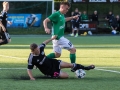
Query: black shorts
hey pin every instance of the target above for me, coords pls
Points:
(76, 25)
(114, 26)
(4, 35)
(50, 67)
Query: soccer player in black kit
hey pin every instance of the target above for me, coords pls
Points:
(50, 67)
(4, 35)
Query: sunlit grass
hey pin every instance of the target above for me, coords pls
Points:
(103, 52)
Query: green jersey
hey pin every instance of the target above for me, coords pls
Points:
(84, 17)
(58, 21)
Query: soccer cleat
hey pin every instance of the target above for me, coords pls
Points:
(76, 35)
(74, 68)
(72, 34)
(89, 67)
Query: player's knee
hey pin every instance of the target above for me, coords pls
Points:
(73, 50)
(64, 75)
(9, 40)
(57, 55)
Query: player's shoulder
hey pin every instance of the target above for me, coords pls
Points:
(56, 13)
(30, 57)
(42, 45)
(2, 13)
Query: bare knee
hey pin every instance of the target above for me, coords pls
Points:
(57, 55)
(64, 75)
(9, 40)
(72, 51)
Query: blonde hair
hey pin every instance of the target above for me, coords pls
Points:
(5, 3)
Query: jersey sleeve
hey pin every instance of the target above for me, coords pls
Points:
(54, 17)
(42, 46)
(30, 65)
(1, 16)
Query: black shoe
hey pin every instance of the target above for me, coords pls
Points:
(74, 68)
(90, 67)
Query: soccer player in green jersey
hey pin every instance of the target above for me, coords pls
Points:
(58, 20)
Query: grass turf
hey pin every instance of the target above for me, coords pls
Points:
(103, 51)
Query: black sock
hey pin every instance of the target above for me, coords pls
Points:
(4, 42)
(79, 66)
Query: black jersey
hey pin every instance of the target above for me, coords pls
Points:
(46, 66)
(110, 17)
(3, 18)
(36, 59)
(94, 17)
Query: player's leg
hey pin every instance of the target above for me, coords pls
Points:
(73, 26)
(113, 29)
(56, 50)
(63, 75)
(75, 66)
(5, 38)
(66, 44)
(77, 26)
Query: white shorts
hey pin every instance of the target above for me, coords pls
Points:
(61, 43)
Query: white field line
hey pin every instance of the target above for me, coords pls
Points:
(13, 57)
(79, 46)
(12, 68)
(106, 67)
(26, 59)
(112, 71)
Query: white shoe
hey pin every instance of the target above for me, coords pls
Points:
(72, 34)
(76, 35)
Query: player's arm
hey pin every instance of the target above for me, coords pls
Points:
(9, 22)
(3, 28)
(30, 74)
(45, 23)
(107, 17)
(70, 18)
(30, 67)
(49, 40)
(52, 18)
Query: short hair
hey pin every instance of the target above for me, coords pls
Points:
(5, 3)
(65, 3)
(33, 46)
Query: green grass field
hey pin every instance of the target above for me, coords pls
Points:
(102, 51)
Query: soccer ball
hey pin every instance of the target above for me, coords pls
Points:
(113, 32)
(80, 73)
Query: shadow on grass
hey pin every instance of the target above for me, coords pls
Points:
(86, 79)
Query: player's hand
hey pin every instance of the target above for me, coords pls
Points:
(75, 17)
(10, 23)
(32, 78)
(54, 37)
(47, 30)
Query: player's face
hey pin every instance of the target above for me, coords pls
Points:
(36, 51)
(110, 12)
(6, 6)
(76, 10)
(65, 9)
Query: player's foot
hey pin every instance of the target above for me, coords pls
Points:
(76, 35)
(74, 68)
(90, 67)
(72, 34)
